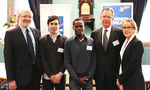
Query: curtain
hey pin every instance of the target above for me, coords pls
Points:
(138, 8)
(35, 8)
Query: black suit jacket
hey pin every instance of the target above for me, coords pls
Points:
(107, 62)
(18, 61)
(132, 77)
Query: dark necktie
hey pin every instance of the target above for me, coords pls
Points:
(105, 40)
(30, 45)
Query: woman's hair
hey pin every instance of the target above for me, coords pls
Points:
(132, 23)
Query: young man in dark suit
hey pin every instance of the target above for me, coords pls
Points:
(52, 56)
(108, 40)
(21, 55)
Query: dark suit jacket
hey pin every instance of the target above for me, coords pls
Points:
(18, 61)
(107, 62)
(132, 77)
(52, 60)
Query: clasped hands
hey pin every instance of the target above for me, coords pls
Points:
(83, 80)
(56, 78)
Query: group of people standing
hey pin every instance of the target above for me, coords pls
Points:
(112, 56)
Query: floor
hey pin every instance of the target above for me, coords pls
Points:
(67, 88)
(145, 69)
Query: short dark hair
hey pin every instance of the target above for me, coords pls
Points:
(53, 17)
(78, 19)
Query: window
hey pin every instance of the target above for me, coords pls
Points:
(3, 19)
(144, 30)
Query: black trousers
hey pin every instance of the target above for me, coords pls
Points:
(34, 83)
(107, 84)
(48, 85)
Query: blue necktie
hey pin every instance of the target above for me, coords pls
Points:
(30, 45)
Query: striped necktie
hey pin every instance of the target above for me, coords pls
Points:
(30, 45)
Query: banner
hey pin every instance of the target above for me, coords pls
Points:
(122, 11)
(63, 11)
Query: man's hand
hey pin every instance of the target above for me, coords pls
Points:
(13, 85)
(119, 85)
(56, 78)
(83, 80)
(52, 78)
(117, 82)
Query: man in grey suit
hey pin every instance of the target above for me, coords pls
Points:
(21, 55)
(108, 40)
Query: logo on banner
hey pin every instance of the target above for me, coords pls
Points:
(61, 26)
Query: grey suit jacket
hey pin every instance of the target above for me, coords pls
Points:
(18, 61)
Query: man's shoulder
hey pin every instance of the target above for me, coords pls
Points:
(116, 28)
(12, 30)
(44, 37)
(69, 39)
(89, 38)
(64, 37)
(97, 30)
(34, 28)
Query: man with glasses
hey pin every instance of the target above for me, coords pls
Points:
(21, 55)
(108, 40)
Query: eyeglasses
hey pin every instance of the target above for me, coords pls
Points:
(104, 17)
(27, 17)
(127, 27)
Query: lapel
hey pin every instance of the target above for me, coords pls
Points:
(100, 33)
(111, 38)
(34, 34)
(36, 37)
(99, 36)
(128, 48)
(21, 37)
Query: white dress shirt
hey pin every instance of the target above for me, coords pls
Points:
(125, 44)
(107, 34)
(31, 34)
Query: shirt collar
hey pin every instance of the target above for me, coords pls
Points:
(75, 36)
(24, 29)
(109, 29)
(56, 36)
(131, 38)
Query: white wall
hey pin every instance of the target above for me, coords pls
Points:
(3, 18)
(144, 32)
